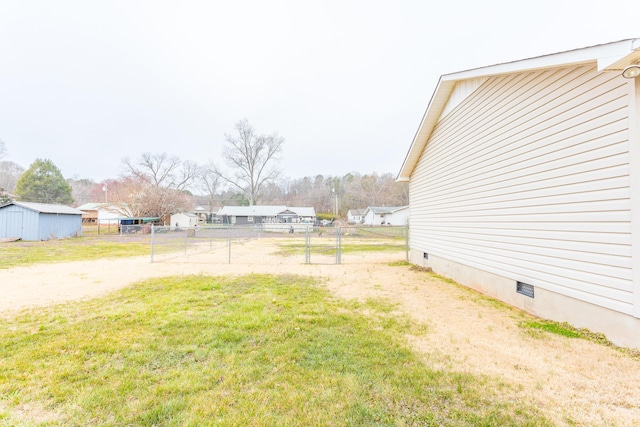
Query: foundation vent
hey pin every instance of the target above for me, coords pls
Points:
(425, 255)
(524, 289)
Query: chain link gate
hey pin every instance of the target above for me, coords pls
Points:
(323, 248)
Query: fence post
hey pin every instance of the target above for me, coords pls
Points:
(186, 235)
(406, 243)
(229, 241)
(339, 245)
(307, 248)
(152, 236)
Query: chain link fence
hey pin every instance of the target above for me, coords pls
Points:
(295, 243)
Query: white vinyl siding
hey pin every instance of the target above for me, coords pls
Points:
(460, 93)
(528, 178)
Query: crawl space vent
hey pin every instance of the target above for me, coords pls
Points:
(524, 289)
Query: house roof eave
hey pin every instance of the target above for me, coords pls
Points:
(429, 119)
(609, 57)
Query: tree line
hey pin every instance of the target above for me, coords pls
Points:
(160, 184)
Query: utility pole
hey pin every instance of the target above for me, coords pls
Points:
(335, 202)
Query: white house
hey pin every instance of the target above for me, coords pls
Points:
(355, 216)
(524, 182)
(391, 215)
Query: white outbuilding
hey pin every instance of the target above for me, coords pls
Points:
(184, 219)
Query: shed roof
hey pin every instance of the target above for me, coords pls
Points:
(613, 56)
(45, 208)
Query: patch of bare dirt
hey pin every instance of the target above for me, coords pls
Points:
(571, 381)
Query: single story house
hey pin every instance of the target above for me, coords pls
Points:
(390, 215)
(355, 216)
(90, 212)
(524, 182)
(101, 213)
(203, 214)
(244, 215)
(39, 221)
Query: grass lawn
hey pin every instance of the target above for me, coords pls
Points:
(248, 351)
(329, 247)
(15, 254)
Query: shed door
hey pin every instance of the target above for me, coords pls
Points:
(14, 225)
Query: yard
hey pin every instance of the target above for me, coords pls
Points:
(183, 341)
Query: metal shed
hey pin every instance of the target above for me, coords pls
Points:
(39, 221)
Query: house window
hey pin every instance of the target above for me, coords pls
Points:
(249, 219)
(525, 289)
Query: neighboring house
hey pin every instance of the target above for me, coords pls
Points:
(90, 212)
(39, 221)
(204, 216)
(524, 184)
(355, 216)
(184, 219)
(243, 215)
(392, 215)
(102, 213)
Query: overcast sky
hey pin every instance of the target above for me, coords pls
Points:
(86, 83)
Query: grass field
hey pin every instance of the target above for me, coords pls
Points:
(284, 350)
(255, 350)
(86, 248)
(92, 246)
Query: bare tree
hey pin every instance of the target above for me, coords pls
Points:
(352, 191)
(162, 170)
(81, 189)
(252, 160)
(209, 182)
(10, 172)
(131, 197)
(156, 186)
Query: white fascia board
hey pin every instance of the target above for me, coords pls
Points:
(609, 57)
(604, 55)
(429, 119)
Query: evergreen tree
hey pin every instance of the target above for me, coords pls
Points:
(43, 182)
